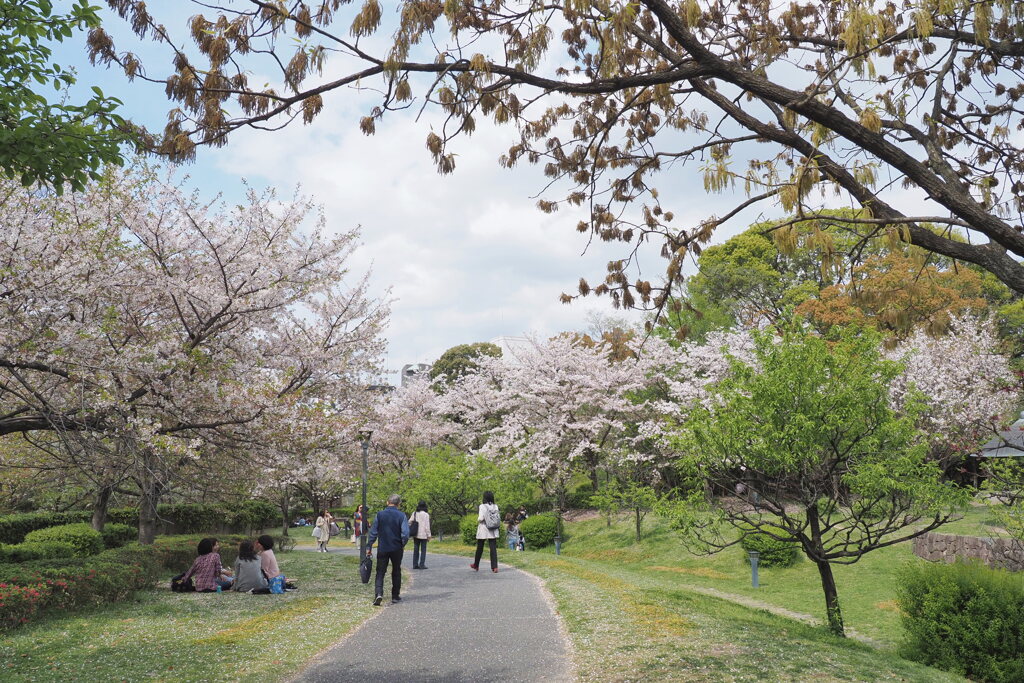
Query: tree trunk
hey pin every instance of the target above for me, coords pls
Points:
(150, 489)
(559, 509)
(285, 505)
(99, 507)
(828, 584)
(639, 520)
(148, 500)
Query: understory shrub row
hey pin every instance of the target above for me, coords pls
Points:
(965, 618)
(185, 517)
(67, 583)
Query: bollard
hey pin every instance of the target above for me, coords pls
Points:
(753, 568)
(558, 545)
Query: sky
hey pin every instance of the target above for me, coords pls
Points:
(464, 257)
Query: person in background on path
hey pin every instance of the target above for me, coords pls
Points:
(419, 544)
(488, 528)
(392, 528)
(360, 523)
(323, 525)
(268, 561)
(511, 531)
(248, 573)
(207, 572)
(521, 515)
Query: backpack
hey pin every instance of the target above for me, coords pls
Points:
(179, 586)
(492, 518)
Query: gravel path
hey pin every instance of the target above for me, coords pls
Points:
(453, 625)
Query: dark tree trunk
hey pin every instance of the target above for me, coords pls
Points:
(285, 505)
(559, 509)
(639, 521)
(828, 584)
(99, 507)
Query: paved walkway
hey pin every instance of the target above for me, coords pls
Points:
(453, 625)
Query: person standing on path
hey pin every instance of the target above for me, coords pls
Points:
(420, 520)
(392, 528)
(360, 523)
(488, 528)
(323, 525)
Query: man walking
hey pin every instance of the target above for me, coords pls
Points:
(392, 528)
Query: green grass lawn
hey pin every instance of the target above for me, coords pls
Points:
(165, 636)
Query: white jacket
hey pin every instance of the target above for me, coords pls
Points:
(423, 518)
(481, 528)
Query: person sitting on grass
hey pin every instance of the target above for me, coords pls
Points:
(248, 572)
(207, 572)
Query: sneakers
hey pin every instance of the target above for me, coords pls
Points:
(494, 569)
(377, 600)
(395, 598)
(474, 567)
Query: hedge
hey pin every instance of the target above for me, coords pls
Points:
(116, 535)
(26, 552)
(963, 618)
(83, 538)
(538, 530)
(771, 551)
(110, 576)
(14, 528)
(186, 517)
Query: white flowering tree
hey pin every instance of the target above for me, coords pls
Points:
(556, 405)
(181, 329)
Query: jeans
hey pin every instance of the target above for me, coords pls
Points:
(419, 552)
(395, 557)
(513, 542)
(493, 544)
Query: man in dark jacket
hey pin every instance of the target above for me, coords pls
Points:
(392, 528)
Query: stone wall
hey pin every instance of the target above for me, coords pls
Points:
(1002, 553)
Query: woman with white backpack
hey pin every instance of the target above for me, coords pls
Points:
(488, 528)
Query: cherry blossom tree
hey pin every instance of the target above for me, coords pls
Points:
(406, 420)
(556, 405)
(180, 328)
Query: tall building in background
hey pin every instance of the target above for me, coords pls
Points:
(413, 370)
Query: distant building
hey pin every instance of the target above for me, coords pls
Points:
(512, 347)
(414, 370)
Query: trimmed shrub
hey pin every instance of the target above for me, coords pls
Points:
(129, 516)
(84, 539)
(39, 550)
(14, 528)
(108, 577)
(254, 514)
(771, 551)
(539, 530)
(193, 518)
(964, 618)
(117, 535)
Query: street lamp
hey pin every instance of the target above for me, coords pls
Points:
(364, 441)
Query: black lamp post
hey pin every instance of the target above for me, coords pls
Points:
(364, 441)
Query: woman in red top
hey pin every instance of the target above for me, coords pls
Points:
(360, 529)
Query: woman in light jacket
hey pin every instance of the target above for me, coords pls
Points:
(487, 511)
(323, 523)
(419, 548)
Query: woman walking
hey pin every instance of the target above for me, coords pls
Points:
(488, 528)
(323, 525)
(420, 521)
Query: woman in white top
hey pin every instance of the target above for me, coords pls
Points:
(419, 549)
(488, 528)
(323, 524)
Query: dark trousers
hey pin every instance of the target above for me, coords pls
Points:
(395, 557)
(419, 552)
(493, 544)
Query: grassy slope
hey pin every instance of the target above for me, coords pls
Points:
(633, 613)
(166, 636)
